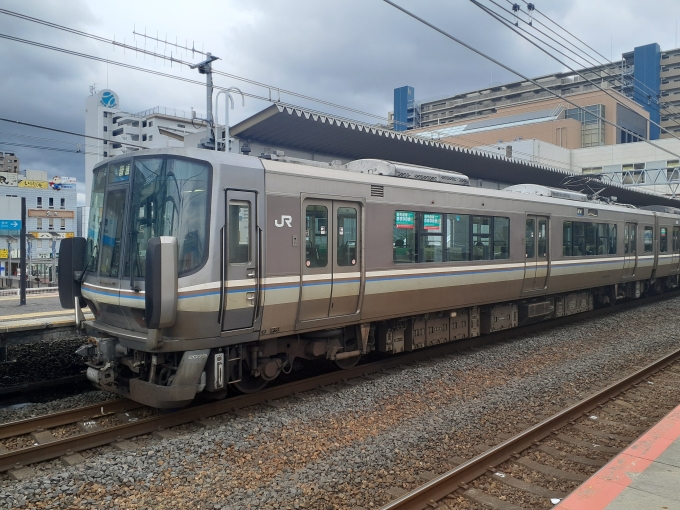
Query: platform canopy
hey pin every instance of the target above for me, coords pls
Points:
(305, 130)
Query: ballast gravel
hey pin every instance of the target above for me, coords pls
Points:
(356, 447)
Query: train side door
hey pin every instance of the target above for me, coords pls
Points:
(629, 250)
(346, 259)
(317, 270)
(241, 260)
(676, 248)
(536, 253)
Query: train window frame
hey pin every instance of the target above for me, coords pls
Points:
(412, 229)
(663, 239)
(648, 232)
(344, 247)
(128, 252)
(319, 230)
(588, 239)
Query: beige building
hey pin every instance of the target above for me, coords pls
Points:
(9, 163)
(550, 120)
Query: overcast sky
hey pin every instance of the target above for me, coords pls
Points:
(350, 52)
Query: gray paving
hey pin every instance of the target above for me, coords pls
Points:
(34, 304)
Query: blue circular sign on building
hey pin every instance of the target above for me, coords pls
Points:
(108, 99)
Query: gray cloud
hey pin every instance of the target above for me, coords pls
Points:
(351, 52)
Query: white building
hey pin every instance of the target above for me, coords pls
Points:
(154, 128)
(639, 164)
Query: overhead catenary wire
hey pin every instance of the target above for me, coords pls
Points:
(510, 26)
(182, 62)
(517, 73)
(581, 41)
(57, 149)
(593, 62)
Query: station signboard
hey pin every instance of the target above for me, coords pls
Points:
(8, 179)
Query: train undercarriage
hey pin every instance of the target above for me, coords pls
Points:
(173, 379)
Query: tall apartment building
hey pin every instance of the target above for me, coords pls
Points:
(154, 128)
(646, 75)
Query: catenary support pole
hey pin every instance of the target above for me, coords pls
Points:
(22, 254)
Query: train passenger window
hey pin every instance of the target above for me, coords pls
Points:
(578, 248)
(481, 238)
(566, 239)
(530, 240)
(633, 240)
(626, 237)
(663, 240)
(316, 236)
(676, 239)
(501, 238)
(238, 242)
(648, 239)
(542, 234)
(591, 239)
(404, 236)
(602, 238)
(612, 239)
(430, 239)
(457, 237)
(347, 236)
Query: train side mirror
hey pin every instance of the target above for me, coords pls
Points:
(71, 265)
(160, 290)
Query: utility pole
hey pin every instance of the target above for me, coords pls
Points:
(22, 254)
(205, 67)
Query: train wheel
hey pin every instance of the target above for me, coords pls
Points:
(346, 363)
(249, 383)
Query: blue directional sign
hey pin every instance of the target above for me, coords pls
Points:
(10, 224)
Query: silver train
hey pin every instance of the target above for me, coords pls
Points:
(209, 272)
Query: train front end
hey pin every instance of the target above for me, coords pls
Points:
(150, 274)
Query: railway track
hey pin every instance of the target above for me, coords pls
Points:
(599, 425)
(91, 432)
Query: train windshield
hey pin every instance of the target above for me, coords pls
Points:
(167, 196)
(170, 197)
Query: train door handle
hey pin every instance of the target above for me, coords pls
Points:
(250, 273)
(250, 296)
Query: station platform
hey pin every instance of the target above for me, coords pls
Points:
(646, 475)
(42, 318)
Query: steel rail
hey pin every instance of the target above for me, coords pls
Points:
(449, 482)
(47, 421)
(87, 440)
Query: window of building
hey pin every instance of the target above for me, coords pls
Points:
(144, 123)
(39, 223)
(181, 125)
(106, 142)
(144, 138)
(106, 128)
(51, 223)
(51, 202)
(150, 123)
(62, 224)
(105, 154)
(40, 244)
(150, 137)
(39, 202)
(106, 114)
(648, 239)
(62, 201)
(663, 240)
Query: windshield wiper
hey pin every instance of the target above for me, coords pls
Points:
(95, 249)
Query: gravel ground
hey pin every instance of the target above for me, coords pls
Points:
(41, 361)
(353, 447)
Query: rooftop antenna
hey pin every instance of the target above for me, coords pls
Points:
(184, 47)
(93, 89)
